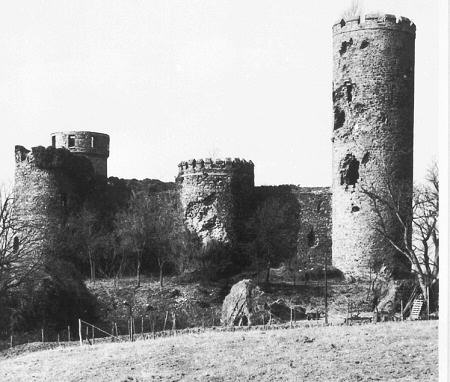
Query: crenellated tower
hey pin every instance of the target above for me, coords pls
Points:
(214, 195)
(94, 146)
(373, 103)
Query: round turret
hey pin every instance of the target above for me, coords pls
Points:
(94, 146)
(373, 104)
(214, 195)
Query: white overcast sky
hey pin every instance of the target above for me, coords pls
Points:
(175, 80)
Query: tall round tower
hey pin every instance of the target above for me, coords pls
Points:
(214, 194)
(373, 103)
(94, 146)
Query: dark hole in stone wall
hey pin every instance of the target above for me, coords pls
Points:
(311, 238)
(364, 44)
(349, 88)
(349, 171)
(53, 141)
(71, 142)
(339, 118)
(355, 208)
(344, 46)
(365, 158)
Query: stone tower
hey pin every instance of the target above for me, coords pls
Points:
(48, 184)
(214, 195)
(94, 146)
(373, 102)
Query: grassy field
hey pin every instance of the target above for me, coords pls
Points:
(405, 351)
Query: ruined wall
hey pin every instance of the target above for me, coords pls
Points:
(92, 145)
(49, 183)
(215, 195)
(311, 230)
(373, 100)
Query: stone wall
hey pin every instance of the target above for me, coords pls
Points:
(49, 183)
(92, 145)
(373, 101)
(311, 206)
(215, 195)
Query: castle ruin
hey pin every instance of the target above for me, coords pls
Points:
(373, 104)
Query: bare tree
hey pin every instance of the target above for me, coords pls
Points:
(419, 228)
(20, 245)
(272, 242)
(133, 230)
(169, 238)
(354, 10)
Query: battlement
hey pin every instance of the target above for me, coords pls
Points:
(375, 21)
(227, 165)
(41, 157)
(83, 142)
(49, 158)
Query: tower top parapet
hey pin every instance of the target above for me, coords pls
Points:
(83, 142)
(227, 165)
(375, 21)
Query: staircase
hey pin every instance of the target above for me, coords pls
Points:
(416, 309)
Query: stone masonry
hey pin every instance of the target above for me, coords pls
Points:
(92, 145)
(214, 194)
(373, 101)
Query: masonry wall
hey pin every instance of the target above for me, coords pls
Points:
(49, 183)
(92, 145)
(214, 195)
(373, 104)
(311, 226)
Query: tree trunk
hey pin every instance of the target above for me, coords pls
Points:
(91, 266)
(161, 275)
(138, 269)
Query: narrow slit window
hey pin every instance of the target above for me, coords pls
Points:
(71, 140)
(53, 141)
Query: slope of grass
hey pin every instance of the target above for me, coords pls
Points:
(405, 351)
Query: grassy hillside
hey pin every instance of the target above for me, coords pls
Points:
(403, 351)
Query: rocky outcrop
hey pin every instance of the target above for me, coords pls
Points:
(241, 304)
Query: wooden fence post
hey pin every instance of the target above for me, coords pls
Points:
(93, 335)
(79, 332)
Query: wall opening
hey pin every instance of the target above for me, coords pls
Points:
(345, 45)
(94, 142)
(71, 142)
(349, 88)
(355, 209)
(364, 44)
(53, 141)
(365, 158)
(339, 117)
(311, 238)
(349, 171)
